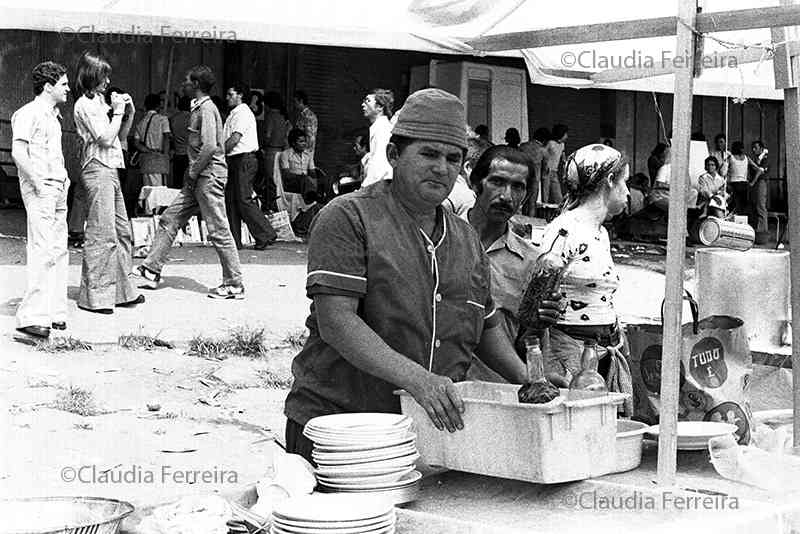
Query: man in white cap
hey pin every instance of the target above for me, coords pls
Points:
(401, 287)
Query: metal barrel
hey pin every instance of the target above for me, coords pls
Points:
(753, 286)
(716, 232)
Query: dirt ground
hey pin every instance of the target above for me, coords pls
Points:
(161, 423)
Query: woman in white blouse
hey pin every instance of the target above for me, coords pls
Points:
(595, 180)
(107, 248)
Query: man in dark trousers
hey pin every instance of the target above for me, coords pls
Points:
(241, 146)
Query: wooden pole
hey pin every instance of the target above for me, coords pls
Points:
(791, 104)
(712, 21)
(167, 94)
(787, 71)
(672, 343)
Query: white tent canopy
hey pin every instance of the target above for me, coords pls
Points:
(436, 26)
(737, 79)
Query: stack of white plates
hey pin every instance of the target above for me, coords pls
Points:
(365, 453)
(333, 514)
(694, 435)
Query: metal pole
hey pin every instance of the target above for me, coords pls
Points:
(672, 343)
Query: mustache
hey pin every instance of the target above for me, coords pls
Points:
(507, 206)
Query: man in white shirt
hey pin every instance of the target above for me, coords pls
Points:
(241, 145)
(36, 149)
(377, 108)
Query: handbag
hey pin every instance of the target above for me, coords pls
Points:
(149, 162)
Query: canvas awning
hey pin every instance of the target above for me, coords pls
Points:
(435, 26)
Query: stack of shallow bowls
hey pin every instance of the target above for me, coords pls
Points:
(333, 514)
(365, 453)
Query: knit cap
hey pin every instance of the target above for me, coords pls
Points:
(433, 115)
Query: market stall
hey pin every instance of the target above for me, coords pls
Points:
(469, 502)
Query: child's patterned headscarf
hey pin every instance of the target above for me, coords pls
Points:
(586, 169)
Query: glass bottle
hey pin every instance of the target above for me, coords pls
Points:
(537, 389)
(548, 270)
(588, 378)
(534, 360)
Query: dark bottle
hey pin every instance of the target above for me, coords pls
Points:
(588, 378)
(545, 280)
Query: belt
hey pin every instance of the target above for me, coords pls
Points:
(242, 155)
(606, 335)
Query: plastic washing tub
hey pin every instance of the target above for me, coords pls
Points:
(629, 444)
(558, 441)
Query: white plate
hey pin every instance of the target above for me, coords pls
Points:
(359, 471)
(315, 527)
(385, 530)
(326, 508)
(365, 438)
(369, 454)
(406, 480)
(391, 516)
(355, 447)
(359, 441)
(694, 435)
(376, 431)
(354, 478)
(359, 421)
(395, 496)
(400, 461)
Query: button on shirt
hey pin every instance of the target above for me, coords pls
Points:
(511, 260)
(205, 129)
(91, 122)
(366, 245)
(38, 124)
(241, 121)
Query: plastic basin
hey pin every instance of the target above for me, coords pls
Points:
(629, 444)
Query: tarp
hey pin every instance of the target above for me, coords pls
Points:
(749, 80)
(391, 24)
(435, 26)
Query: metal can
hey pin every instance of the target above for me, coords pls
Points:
(716, 232)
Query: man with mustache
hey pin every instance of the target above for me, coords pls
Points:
(400, 287)
(500, 179)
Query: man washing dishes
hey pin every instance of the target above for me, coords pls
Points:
(400, 287)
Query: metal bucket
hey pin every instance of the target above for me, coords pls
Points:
(753, 286)
(716, 232)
